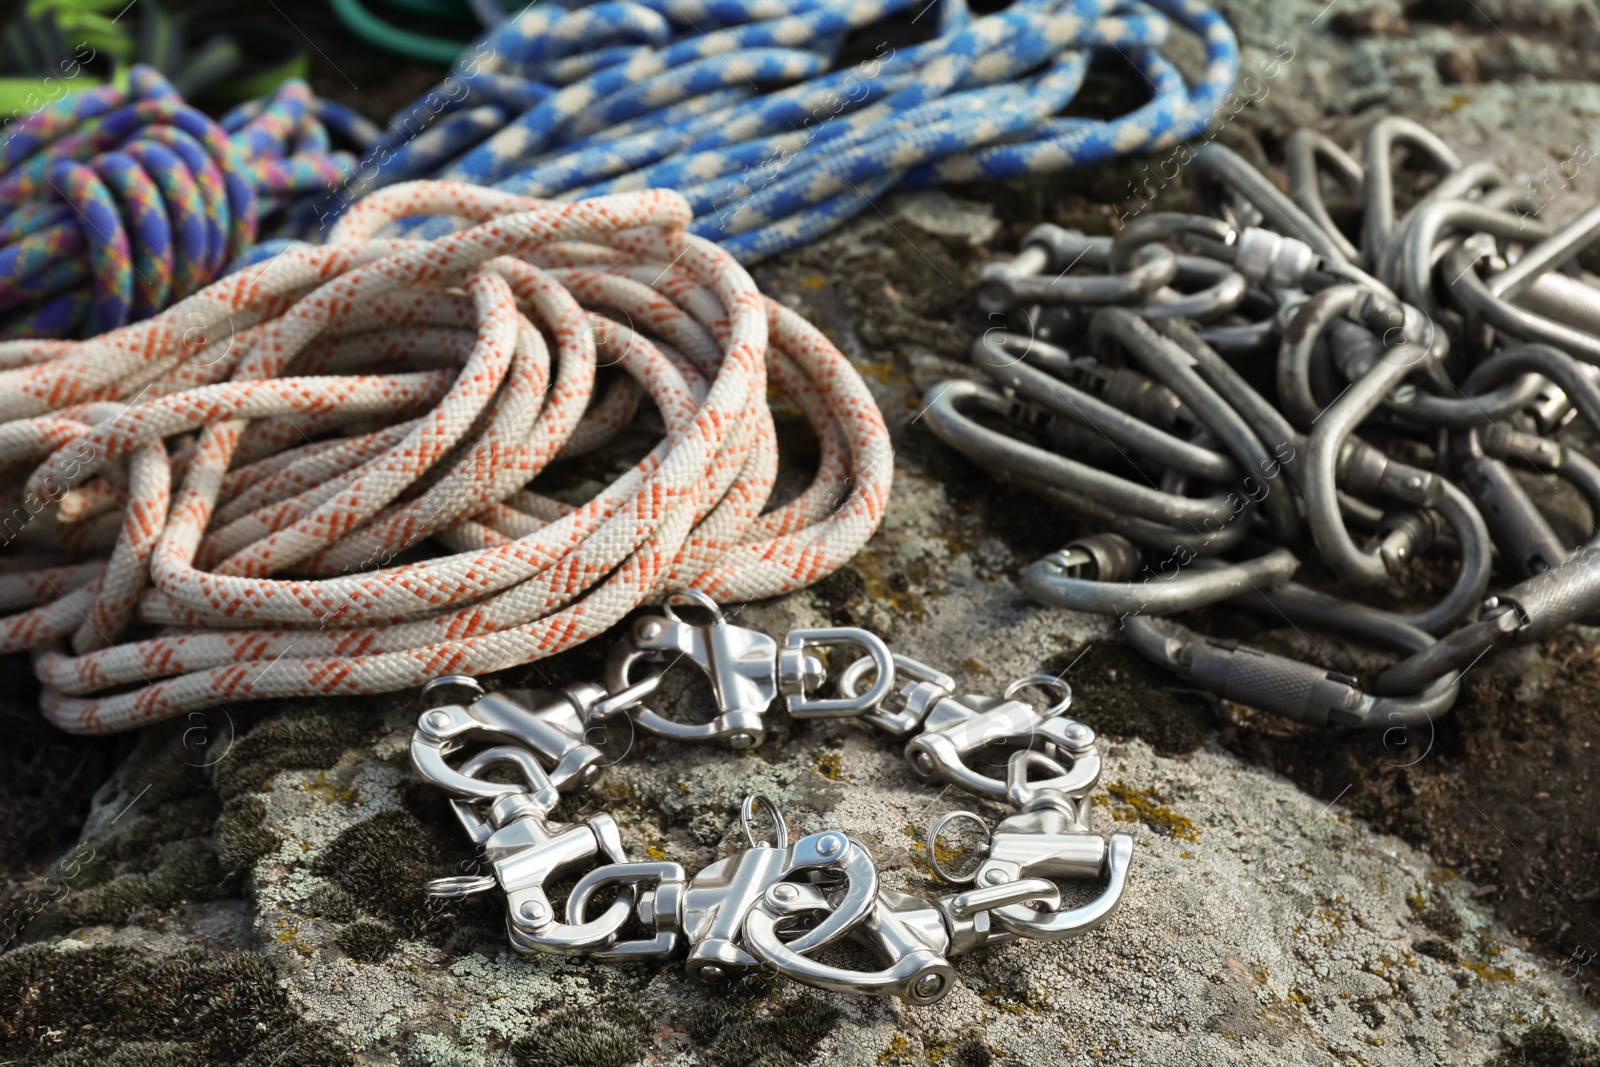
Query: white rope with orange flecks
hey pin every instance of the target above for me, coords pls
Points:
(237, 476)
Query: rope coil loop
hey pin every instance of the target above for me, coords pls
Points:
(284, 441)
(774, 132)
(113, 205)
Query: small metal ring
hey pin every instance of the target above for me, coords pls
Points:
(849, 684)
(933, 842)
(695, 597)
(459, 886)
(850, 680)
(1044, 681)
(780, 829)
(449, 681)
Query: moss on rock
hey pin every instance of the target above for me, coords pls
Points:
(382, 862)
(430, 805)
(1442, 919)
(241, 834)
(970, 1051)
(1546, 1045)
(332, 902)
(183, 870)
(785, 1036)
(1438, 949)
(45, 784)
(65, 1005)
(367, 940)
(603, 1036)
(316, 739)
(1118, 692)
(129, 1054)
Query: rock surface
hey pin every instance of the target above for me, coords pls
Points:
(1262, 925)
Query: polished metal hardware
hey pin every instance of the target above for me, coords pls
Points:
(774, 904)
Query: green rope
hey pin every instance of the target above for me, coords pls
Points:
(421, 47)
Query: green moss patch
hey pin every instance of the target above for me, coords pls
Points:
(609, 1036)
(1547, 1046)
(116, 1006)
(383, 862)
(287, 741)
(787, 1035)
(183, 870)
(367, 940)
(241, 835)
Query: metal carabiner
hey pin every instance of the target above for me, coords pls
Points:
(926, 687)
(1477, 301)
(1019, 919)
(1288, 687)
(1030, 464)
(1526, 299)
(535, 853)
(527, 852)
(1132, 430)
(795, 671)
(739, 663)
(966, 913)
(1327, 464)
(1072, 782)
(957, 730)
(1378, 161)
(747, 670)
(903, 931)
(1309, 155)
(1049, 580)
(1039, 274)
(1223, 288)
(535, 795)
(555, 732)
(969, 918)
(1045, 247)
(660, 909)
(1217, 163)
(718, 900)
(1526, 541)
(1049, 839)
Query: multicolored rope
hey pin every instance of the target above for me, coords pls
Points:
(572, 99)
(113, 205)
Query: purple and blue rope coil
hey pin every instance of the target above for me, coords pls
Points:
(114, 205)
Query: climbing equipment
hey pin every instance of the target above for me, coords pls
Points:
(113, 204)
(472, 15)
(327, 411)
(774, 905)
(1220, 392)
(568, 100)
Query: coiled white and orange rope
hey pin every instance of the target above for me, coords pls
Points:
(237, 476)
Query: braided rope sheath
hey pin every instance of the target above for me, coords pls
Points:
(567, 100)
(327, 410)
(113, 205)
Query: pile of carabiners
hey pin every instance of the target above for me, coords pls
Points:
(1225, 393)
(774, 905)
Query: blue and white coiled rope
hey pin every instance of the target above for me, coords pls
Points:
(572, 99)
